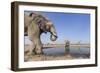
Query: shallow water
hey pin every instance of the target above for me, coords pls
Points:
(77, 52)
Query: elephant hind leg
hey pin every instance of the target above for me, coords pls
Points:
(31, 49)
(30, 52)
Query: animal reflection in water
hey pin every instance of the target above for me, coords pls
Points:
(35, 25)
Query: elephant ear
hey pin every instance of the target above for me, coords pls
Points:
(41, 23)
(33, 15)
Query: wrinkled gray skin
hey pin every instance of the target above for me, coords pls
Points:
(35, 25)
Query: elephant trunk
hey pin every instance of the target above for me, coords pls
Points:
(53, 36)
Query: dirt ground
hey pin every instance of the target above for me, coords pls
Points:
(47, 57)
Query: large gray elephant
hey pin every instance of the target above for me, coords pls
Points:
(35, 25)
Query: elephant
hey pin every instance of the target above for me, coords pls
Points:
(34, 25)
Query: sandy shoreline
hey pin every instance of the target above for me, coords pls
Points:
(48, 57)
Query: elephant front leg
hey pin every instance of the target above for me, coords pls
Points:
(38, 49)
(32, 49)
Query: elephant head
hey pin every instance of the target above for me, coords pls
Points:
(45, 25)
(50, 28)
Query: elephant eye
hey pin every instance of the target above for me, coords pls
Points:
(48, 27)
(40, 22)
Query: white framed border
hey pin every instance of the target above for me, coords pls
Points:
(23, 64)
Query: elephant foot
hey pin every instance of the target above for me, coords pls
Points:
(28, 56)
(35, 52)
(39, 52)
